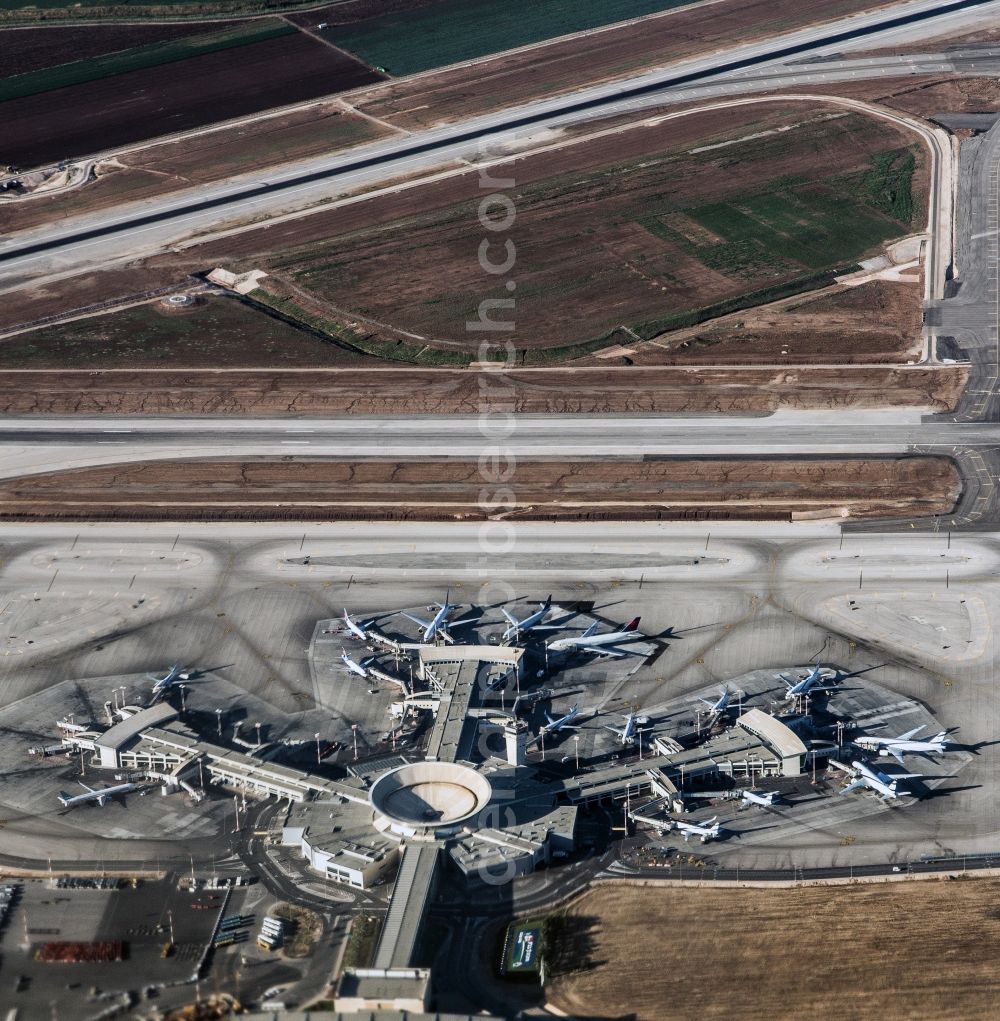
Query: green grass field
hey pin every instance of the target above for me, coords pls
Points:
(455, 30)
(796, 225)
(139, 57)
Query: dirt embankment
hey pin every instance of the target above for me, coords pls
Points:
(897, 951)
(444, 391)
(439, 489)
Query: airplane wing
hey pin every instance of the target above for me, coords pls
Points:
(910, 733)
(89, 790)
(510, 617)
(604, 650)
(854, 785)
(896, 754)
(425, 624)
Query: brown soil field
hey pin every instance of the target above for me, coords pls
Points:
(443, 391)
(602, 221)
(171, 166)
(564, 65)
(527, 170)
(893, 951)
(450, 490)
(30, 49)
(877, 322)
(959, 95)
(71, 122)
(33, 303)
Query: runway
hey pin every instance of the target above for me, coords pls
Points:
(30, 446)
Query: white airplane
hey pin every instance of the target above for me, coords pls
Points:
(885, 786)
(897, 747)
(440, 624)
(706, 831)
(805, 685)
(600, 645)
(765, 798)
(629, 734)
(354, 667)
(554, 726)
(357, 630)
(533, 620)
(718, 707)
(173, 677)
(102, 797)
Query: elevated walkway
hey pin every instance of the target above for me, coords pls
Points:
(413, 890)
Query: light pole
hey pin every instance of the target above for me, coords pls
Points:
(318, 759)
(354, 731)
(218, 720)
(576, 744)
(257, 727)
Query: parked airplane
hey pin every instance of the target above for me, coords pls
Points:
(806, 685)
(102, 797)
(765, 798)
(173, 677)
(533, 620)
(897, 747)
(706, 831)
(354, 667)
(885, 786)
(359, 630)
(629, 734)
(563, 723)
(440, 624)
(718, 707)
(600, 645)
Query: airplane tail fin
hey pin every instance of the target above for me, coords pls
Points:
(632, 625)
(64, 798)
(940, 737)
